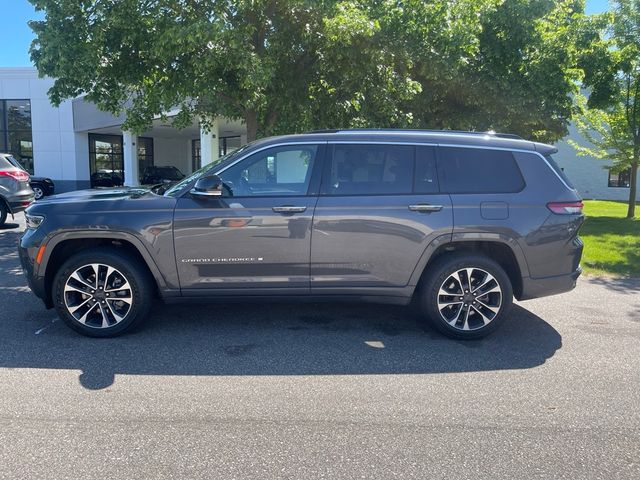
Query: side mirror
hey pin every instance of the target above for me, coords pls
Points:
(208, 186)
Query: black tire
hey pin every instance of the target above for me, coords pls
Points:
(3, 212)
(127, 267)
(480, 321)
(38, 191)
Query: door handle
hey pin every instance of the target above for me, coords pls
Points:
(289, 209)
(425, 208)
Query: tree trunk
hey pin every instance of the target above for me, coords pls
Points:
(633, 184)
(251, 119)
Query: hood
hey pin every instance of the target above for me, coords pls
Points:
(96, 195)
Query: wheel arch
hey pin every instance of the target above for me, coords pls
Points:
(60, 247)
(503, 250)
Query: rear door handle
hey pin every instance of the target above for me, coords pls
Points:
(289, 209)
(425, 208)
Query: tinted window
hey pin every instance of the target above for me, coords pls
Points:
(559, 171)
(474, 170)
(370, 170)
(5, 163)
(426, 178)
(278, 171)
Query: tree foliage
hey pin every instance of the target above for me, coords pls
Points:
(295, 65)
(610, 118)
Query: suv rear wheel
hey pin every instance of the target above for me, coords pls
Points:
(466, 296)
(3, 212)
(101, 293)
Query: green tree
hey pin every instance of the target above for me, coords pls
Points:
(267, 62)
(292, 65)
(518, 72)
(610, 118)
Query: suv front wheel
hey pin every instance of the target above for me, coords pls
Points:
(102, 293)
(466, 296)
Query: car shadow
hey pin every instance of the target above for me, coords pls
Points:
(9, 226)
(256, 339)
(270, 339)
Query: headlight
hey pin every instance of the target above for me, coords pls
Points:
(33, 221)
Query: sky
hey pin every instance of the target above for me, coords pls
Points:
(17, 36)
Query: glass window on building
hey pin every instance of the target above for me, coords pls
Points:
(195, 155)
(229, 145)
(225, 146)
(106, 160)
(15, 131)
(145, 153)
(620, 179)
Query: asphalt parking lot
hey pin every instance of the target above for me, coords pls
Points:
(321, 391)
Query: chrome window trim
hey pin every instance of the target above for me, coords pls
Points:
(362, 142)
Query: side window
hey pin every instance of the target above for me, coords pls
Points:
(278, 171)
(426, 178)
(475, 170)
(370, 170)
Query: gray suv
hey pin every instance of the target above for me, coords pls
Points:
(456, 223)
(15, 192)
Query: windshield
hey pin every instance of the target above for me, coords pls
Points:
(178, 187)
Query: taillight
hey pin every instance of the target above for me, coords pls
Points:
(19, 175)
(565, 208)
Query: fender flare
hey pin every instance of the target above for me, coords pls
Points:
(58, 238)
(501, 238)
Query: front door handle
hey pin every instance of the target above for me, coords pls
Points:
(425, 208)
(289, 209)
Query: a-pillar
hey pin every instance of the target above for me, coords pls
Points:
(130, 150)
(209, 144)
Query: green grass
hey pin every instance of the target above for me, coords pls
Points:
(611, 242)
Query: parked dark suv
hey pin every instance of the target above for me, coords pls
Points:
(459, 223)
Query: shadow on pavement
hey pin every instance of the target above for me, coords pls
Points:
(9, 226)
(620, 285)
(256, 339)
(272, 339)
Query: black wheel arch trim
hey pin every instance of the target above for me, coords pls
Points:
(443, 240)
(58, 238)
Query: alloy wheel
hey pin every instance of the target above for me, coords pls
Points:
(38, 193)
(98, 295)
(469, 299)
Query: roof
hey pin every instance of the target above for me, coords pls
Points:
(436, 137)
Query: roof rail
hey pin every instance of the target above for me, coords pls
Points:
(415, 131)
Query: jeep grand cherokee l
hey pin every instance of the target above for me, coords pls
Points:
(459, 223)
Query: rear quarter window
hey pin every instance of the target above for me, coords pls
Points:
(551, 161)
(4, 163)
(474, 170)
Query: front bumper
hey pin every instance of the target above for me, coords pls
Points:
(543, 287)
(36, 282)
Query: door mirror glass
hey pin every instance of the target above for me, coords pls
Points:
(208, 186)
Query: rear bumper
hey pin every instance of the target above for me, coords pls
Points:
(20, 203)
(543, 287)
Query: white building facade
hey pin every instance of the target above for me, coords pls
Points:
(79, 146)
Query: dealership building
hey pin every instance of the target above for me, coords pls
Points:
(78, 146)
